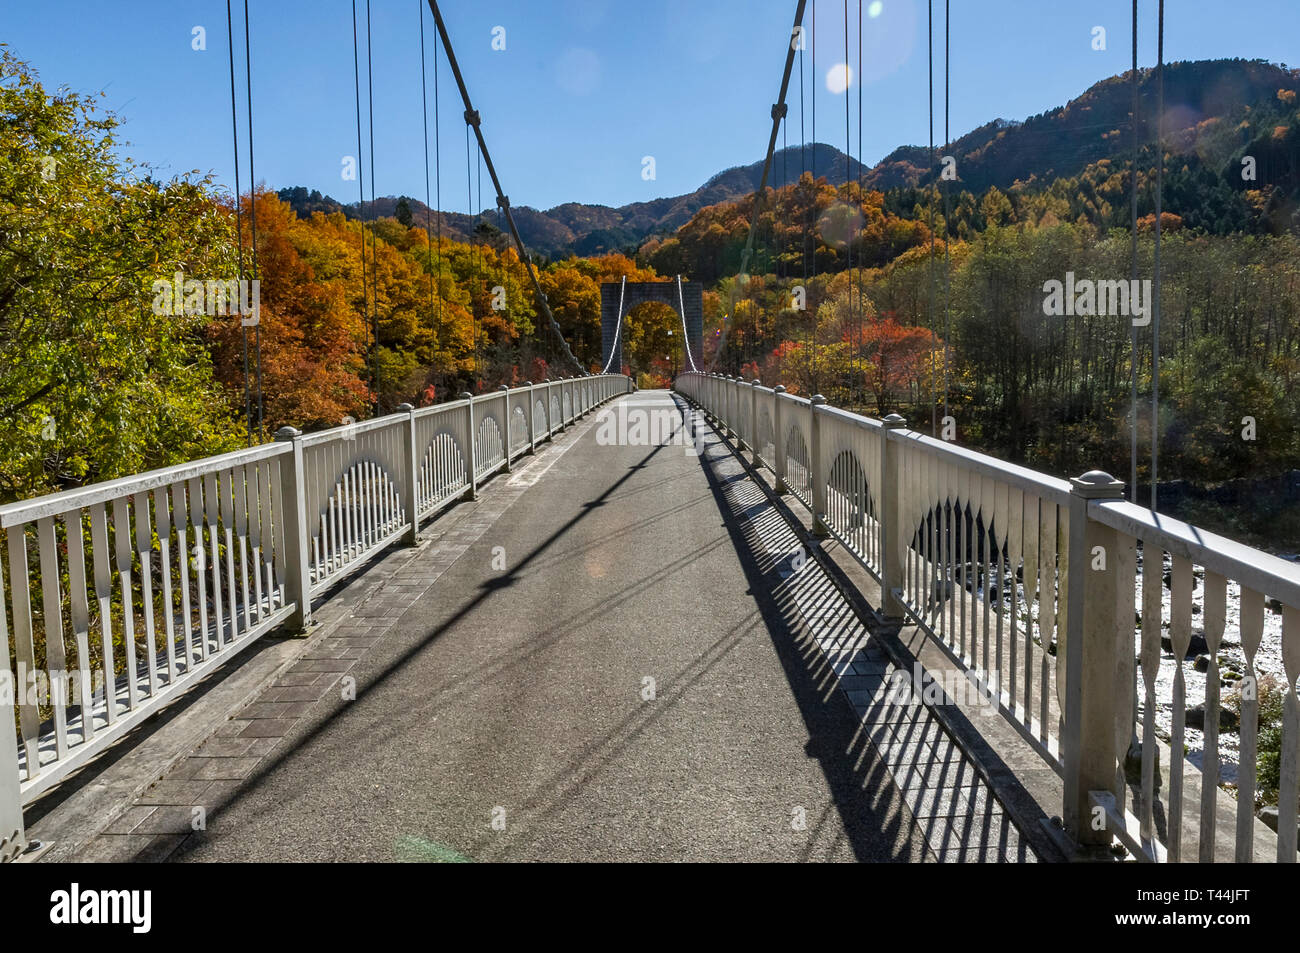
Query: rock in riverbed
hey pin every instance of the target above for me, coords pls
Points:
(1228, 720)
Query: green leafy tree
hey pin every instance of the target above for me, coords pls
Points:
(93, 383)
(403, 212)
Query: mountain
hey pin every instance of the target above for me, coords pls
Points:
(575, 228)
(1213, 109)
(1209, 106)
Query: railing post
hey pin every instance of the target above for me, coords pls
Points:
(733, 408)
(546, 410)
(411, 468)
(1088, 749)
(531, 419)
(893, 539)
(13, 836)
(819, 527)
(753, 420)
(293, 506)
(740, 402)
(778, 442)
(505, 388)
(727, 387)
(715, 406)
(471, 450)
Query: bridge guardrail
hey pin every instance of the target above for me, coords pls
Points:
(117, 597)
(1031, 583)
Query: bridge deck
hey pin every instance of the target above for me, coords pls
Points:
(521, 695)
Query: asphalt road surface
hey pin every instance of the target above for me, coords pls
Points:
(625, 689)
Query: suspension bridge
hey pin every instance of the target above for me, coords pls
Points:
(574, 620)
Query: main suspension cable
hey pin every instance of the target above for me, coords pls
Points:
(1155, 303)
(473, 119)
(252, 212)
(848, 170)
(473, 251)
(934, 407)
(239, 220)
(374, 239)
(1133, 255)
(361, 188)
(428, 199)
(807, 220)
(618, 328)
(861, 372)
(686, 337)
(778, 113)
(812, 162)
(437, 175)
(947, 228)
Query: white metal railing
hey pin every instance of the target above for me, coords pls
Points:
(1032, 584)
(118, 596)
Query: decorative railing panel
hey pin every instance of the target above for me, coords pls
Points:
(118, 596)
(1079, 614)
(354, 493)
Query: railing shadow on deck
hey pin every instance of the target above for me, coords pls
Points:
(880, 827)
(1056, 571)
(961, 821)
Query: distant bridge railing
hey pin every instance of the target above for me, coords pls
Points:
(118, 596)
(1032, 584)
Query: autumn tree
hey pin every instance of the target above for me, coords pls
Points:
(93, 383)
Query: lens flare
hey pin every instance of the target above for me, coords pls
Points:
(839, 78)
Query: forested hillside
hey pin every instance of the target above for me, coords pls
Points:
(909, 282)
(1050, 391)
(95, 384)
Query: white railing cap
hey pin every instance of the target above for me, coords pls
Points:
(54, 504)
(352, 430)
(1047, 487)
(870, 423)
(1254, 569)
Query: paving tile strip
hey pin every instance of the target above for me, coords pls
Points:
(156, 823)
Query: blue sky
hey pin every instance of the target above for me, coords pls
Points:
(586, 88)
